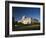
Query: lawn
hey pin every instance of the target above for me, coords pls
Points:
(22, 27)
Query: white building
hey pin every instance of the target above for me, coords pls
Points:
(27, 20)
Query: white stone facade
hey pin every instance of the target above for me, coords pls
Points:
(28, 20)
(25, 20)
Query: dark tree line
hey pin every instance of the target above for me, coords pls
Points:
(13, 23)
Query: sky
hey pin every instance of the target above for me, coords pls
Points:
(18, 12)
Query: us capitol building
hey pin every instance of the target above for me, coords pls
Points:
(27, 20)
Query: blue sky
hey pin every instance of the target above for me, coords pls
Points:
(18, 12)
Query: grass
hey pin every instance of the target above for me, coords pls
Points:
(26, 27)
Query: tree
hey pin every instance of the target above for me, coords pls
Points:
(13, 23)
